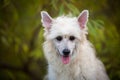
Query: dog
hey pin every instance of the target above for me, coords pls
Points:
(69, 54)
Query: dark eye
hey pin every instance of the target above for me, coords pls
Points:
(72, 38)
(59, 38)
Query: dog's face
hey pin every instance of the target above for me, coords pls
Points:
(65, 45)
(65, 33)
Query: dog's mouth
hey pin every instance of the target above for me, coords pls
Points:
(65, 59)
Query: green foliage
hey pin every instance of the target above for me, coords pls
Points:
(21, 35)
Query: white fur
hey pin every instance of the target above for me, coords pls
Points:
(84, 65)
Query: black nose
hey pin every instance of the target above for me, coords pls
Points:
(66, 52)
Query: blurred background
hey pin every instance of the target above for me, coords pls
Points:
(21, 34)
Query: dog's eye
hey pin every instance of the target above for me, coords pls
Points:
(72, 38)
(59, 38)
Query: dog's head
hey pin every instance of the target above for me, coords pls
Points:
(65, 33)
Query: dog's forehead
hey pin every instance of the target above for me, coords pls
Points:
(65, 25)
(65, 20)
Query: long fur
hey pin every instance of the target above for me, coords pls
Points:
(83, 66)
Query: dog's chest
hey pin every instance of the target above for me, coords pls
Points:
(70, 76)
(70, 73)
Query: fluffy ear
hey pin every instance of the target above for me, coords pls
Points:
(46, 19)
(83, 18)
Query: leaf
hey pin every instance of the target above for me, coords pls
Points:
(72, 8)
(61, 9)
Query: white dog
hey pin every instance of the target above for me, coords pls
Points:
(69, 54)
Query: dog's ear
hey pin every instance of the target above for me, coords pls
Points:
(46, 19)
(83, 18)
